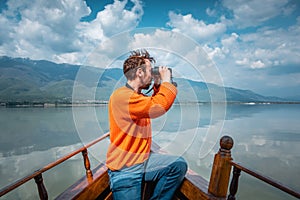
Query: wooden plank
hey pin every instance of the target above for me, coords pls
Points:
(86, 188)
(109, 197)
(195, 186)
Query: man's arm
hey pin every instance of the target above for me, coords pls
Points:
(151, 107)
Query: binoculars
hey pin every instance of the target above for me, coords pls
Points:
(155, 72)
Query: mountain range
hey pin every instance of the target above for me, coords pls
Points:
(26, 80)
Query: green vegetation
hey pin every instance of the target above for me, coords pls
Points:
(35, 83)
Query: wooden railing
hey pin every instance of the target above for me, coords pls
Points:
(219, 179)
(237, 168)
(38, 177)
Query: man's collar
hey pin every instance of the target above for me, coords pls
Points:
(128, 86)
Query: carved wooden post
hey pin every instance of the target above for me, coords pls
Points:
(234, 183)
(220, 174)
(87, 164)
(41, 187)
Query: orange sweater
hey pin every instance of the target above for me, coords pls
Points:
(130, 126)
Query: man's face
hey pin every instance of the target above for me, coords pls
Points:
(147, 78)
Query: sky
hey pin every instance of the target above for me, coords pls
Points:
(246, 44)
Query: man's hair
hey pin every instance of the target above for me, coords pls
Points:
(135, 61)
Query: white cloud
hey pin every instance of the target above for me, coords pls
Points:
(255, 12)
(52, 30)
(229, 41)
(41, 29)
(266, 47)
(214, 52)
(155, 40)
(261, 48)
(210, 12)
(161, 39)
(257, 64)
(194, 28)
(244, 62)
(115, 18)
(177, 50)
(169, 48)
(272, 46)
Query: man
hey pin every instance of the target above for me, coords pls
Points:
(128, 157)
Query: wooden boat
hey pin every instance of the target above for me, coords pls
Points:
(95, 185)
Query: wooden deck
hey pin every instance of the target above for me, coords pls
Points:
(90, 188)
(193, 187)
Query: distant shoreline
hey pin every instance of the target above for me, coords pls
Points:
(101, 103)
(46, 105)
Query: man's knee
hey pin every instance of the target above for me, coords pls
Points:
(180, 166)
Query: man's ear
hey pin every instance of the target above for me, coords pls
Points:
(139, 72)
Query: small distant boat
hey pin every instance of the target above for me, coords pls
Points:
(250, 103)
(95, 185)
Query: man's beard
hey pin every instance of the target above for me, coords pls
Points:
(146, 86)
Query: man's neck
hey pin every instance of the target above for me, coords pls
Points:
(134, 85)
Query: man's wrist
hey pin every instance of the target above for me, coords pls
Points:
(166, 80)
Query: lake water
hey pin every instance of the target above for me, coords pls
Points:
(266, 139)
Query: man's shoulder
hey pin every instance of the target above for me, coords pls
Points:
(121, 91)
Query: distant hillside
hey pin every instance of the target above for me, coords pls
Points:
(25, 80)
(294, 98)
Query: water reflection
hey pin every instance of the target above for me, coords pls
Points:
(267, 139)
(24, 130)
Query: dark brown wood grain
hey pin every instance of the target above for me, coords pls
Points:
(88, 189)
(220, 174)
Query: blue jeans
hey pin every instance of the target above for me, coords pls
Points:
(167, 171)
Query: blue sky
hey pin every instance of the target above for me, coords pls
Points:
(251, 44)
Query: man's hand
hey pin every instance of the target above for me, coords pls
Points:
(165, 74)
